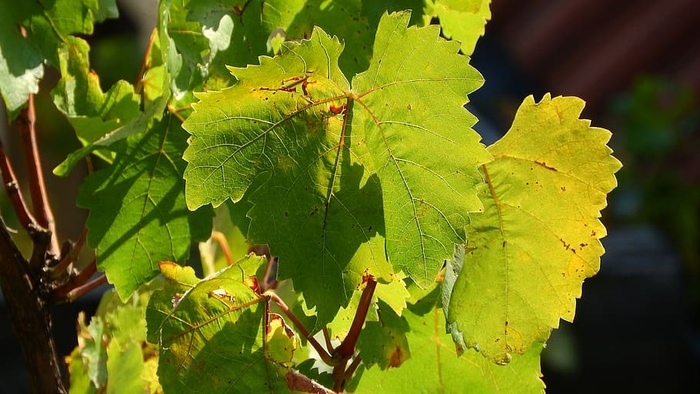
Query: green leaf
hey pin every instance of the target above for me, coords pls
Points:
(314, 182)
(383, 342)
(297, 19)
(47, 25)
(411, 117)
(111, 117)
(212, 335)
(293, 135)
(112, 354)
(79, 379)
(125, 368)
(79, 96)
(435, 367)
(538, 238)
(138, 215)
(92, 349)
(462, 20)
(21, 62)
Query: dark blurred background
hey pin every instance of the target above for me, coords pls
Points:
(637, 65)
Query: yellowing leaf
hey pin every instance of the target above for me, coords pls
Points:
(434, 366)
(538, 238)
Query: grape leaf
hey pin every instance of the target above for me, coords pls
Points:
(105, 119)
(138, 215)
(435, 367)
(215, 325)
(462, 20)
(47, 25)
(538, 238)
(296, 20)
(21, 62)
(112, 355)
(298, 146)
(292, 134)
(412, 119)
(383, 342)
(91, 112)
(125, 367)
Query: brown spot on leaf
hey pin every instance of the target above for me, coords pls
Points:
(397, 358)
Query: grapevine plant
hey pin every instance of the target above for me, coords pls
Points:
(292, 197)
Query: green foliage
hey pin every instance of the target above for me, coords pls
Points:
(112, 354)
(138, 215)
(335, 133)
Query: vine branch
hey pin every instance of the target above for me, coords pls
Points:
(30, 316)
(37, 187)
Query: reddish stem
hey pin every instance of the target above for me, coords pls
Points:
(86, 288)
(12, 187)
(325, 356)
(220, 239)
(61, 293)
(37, 186)
(347, 348)
(327, 338)
(58, 269)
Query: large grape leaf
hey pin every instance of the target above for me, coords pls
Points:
(212, 335)
(538, 238)
(138, 215)
(435, 367)
(411, 117)
(319, 158)
(47, 25)
(319, 208)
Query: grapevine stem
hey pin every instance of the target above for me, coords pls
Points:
(220, 239)
(327, 337)
(347, 348)
(12, 187)
(86, 288)
(58, 269)
(76, 280)
(37, 186)
(325, 356)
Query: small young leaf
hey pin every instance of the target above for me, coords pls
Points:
(383, 342)
(78, 95)
(462, 20)
(21, 62)
(538, 238)
(138, 215)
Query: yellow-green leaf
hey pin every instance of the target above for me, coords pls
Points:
(538, 238)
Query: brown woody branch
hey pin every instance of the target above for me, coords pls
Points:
(30, 316)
